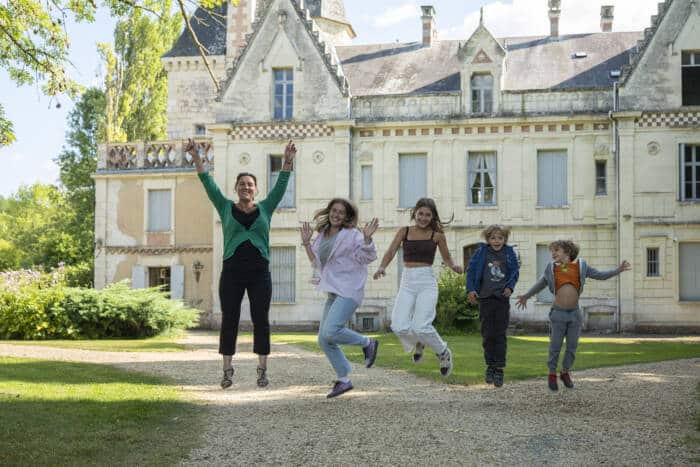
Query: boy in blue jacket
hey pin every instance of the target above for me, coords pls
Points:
(491, 276)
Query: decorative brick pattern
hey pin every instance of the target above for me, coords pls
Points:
(283, 131)
(154, 250)
(669, 119)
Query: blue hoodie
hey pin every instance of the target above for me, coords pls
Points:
(475, 270)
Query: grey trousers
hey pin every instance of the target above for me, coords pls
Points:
(563, 323)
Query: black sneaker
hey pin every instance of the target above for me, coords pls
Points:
(370, 352)
(498, 377)
(552, 382)
(418, 352)
(566, 379)
(446, 363)
(489, 374)
(338, 388)
(227, 380)
(262, 377)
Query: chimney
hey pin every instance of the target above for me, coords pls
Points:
(554, 13)
(606, 18)
(429, 29)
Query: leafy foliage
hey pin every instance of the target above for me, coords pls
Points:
(454, 312)
(36, 305)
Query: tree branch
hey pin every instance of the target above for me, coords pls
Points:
(202, 50)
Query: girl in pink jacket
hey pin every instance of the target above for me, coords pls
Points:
(340, 254)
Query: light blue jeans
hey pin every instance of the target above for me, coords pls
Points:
(332, 333)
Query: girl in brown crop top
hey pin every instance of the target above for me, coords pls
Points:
(414, 309)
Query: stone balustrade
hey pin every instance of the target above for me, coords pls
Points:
(152, 155)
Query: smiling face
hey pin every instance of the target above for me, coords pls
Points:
(559, 255)
(424, 216)
(337, 215)
(496, 240)
(246, 188)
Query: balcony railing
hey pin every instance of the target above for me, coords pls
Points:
(152, 155)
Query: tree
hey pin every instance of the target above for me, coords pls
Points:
(35, 42)
(136, 84)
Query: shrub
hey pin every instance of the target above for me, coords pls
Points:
(454, 312)
(36, 305)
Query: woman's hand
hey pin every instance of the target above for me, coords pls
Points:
(380, 273)
(471, 296)
(624, 266)
(306, 234)
(369, 229)
(192, 150)
(522, 302)
(290, 152)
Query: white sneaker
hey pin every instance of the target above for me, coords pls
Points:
(446, 362)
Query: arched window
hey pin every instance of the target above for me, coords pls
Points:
(482, 93)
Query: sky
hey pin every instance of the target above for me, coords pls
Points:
(40, 125)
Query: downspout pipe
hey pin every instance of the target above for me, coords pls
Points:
(618, 220)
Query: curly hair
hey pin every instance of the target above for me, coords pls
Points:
(435, 223)
(496, 228)
(569, 247)
(321, 217)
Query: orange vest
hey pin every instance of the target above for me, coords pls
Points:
(567, 274)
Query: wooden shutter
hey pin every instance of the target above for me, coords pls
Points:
(177, 282)
(159, 208)
(412, 179)
(139, 277)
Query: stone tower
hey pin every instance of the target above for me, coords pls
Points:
(331, 20)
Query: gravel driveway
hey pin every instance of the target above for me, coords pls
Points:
(632, 415)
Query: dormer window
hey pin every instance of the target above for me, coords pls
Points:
(283, 93)
(482, 93)
(690, 66)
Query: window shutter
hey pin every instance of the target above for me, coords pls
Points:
(689, 271)
(367, 182)
(177, 282)
(412, 179)
(551, 179)
(159, 207)
(283, 270)
(138, 277)
(543, 257)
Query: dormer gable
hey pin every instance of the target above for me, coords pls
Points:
(481, 60)
(284, 37)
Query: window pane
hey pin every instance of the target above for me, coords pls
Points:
(488, 195)
(688, 153)
(159, 211)
(477, 182)
(488, 101)
(691, 85)
(275, 163)
(476, 104)
(487, 181)
(279, 75)
(475, 196)
(685, 58)
(652, 262)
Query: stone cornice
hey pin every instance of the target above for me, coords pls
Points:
(156, 250)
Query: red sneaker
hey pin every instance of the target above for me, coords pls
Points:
(553, 382)
(566, 379)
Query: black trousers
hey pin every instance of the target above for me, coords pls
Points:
(494, 314)
(232, 285)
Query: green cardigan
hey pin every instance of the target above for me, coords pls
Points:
(234, 232)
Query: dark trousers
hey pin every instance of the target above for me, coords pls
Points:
(494, 313)
(232, 286)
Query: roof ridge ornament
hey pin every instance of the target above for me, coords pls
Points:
(481, 16)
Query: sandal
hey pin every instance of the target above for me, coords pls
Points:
(227, 380)
(262, 377)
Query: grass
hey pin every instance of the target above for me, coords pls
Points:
(60, 413)
(527, 356)
(152, 344)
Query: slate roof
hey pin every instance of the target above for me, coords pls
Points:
(210, 27)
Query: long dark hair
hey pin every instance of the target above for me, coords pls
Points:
(322, 216)
(435, 223)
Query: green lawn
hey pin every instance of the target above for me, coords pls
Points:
(153, 344)
(527, 356)
(59, 413)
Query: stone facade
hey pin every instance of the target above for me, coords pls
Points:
(359, 110)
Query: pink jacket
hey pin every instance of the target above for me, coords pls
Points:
(345, 272)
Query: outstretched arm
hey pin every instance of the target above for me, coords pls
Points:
(445, 253)
(367, 251)
(389, 255)
(213, 192)
(306, 234)
(277, 193)
(192, 150)
(593, 273)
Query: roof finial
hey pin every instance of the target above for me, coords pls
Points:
(481, 16)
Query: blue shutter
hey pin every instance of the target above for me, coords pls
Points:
(367, 182)
(551, 178)
(283, 271)
(177, 282)
(159, 211)
(412, 179)
(689, 272)
(543, 257)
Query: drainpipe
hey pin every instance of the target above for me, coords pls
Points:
(618, 221)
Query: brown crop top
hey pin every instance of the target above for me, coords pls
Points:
(419, 251)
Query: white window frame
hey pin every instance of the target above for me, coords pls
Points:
(694, 163)
(289, 200)
(601, 178)
(286, 80)
(483, 104)
(480, 170)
